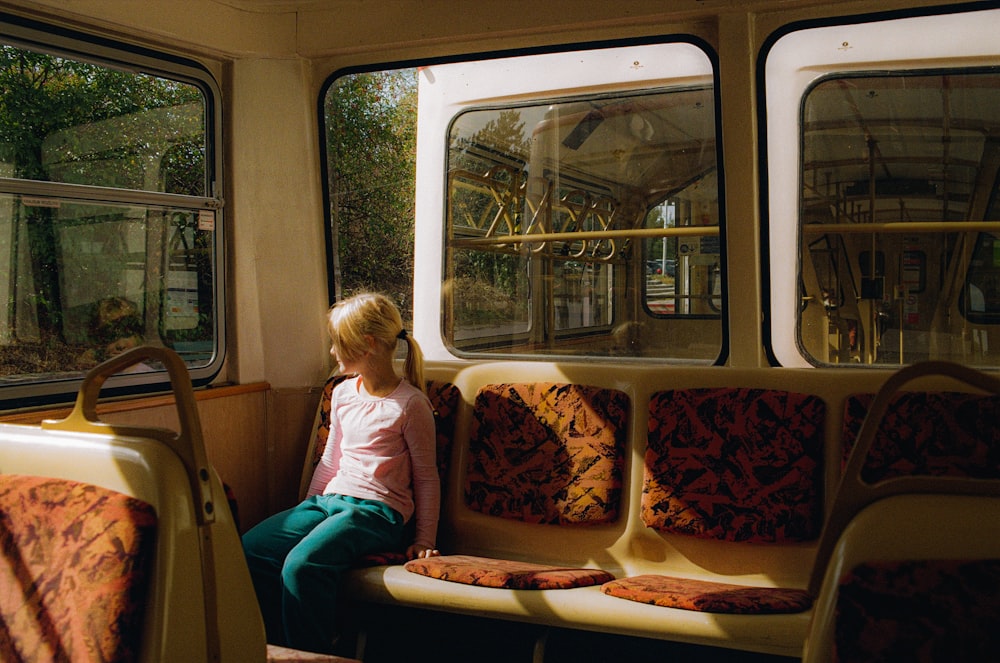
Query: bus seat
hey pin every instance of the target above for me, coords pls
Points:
(909, 559)
(912, 577)
(730, 464)
(544, 453)
(875, 469)
(73, 579)
(199, 602)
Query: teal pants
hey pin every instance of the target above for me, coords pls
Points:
(298, 557)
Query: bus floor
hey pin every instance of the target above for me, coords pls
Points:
(423, 636)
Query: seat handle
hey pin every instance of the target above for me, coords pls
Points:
(188, 444)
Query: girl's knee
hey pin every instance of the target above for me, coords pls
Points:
(304, 567)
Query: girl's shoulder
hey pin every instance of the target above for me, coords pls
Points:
(406, 387)
(412, 394)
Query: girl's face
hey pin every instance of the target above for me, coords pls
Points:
(346, 364)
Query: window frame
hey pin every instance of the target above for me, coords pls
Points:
(793, 60)
(20, 32)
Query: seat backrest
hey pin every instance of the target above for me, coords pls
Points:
(75, 570)
(734, 464)
(199, 603)
(909, 461)
(928, 433)
(545, 452)
(912, 577)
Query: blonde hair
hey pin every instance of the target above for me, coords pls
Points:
(365, 314)
(115, 318)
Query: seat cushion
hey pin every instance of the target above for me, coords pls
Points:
(707, 596)
(505, 574)
(276, 654)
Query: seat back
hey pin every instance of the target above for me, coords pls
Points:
(196, 599)
(545, 452)
(912, 577)
(908, 564)
(75, 570)
(734, 464)
(859, 487)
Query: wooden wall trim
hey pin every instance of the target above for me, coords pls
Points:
(130, 404)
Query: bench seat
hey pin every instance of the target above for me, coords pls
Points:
(491, 511)
(708, 513)
(585, 608)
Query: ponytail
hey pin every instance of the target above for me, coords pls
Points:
(413, 367)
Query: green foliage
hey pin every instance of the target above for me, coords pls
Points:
(371, 150)
(44, 95)
(74, 122)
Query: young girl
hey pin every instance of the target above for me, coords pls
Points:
(377, 471)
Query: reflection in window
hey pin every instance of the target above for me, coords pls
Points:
(896, 211)
(549, 211)
(982, 289)
(107, 230)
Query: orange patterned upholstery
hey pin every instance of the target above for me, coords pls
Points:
(323, 427)
(541, 453)
(929, 434)
(927, 610)
(505, 574)
(705, 596)
(74, 571)
(276, 654)
(730, 464)
(547, 453)
(735, 464)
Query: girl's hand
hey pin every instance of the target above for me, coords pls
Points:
(418, 551)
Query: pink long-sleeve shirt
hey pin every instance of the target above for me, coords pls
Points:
(383, 449)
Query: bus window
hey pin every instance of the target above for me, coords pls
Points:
(898, 167)
(581, 224)
(981, 299)
(109, 231)
(683, 272)
(369, 128)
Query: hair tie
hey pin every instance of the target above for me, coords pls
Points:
(401, 334)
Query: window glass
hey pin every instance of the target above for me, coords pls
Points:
(899, 175)
(370, 125)
(580, 226)
(80, 123)
(882, 165)
(981, 299)
(587, 175)
(108, 236)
